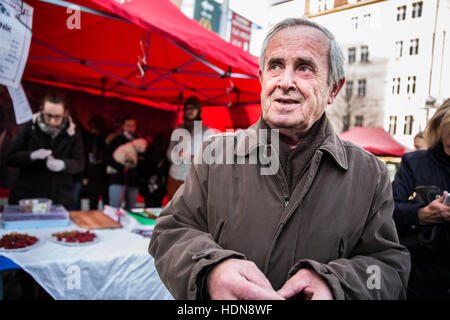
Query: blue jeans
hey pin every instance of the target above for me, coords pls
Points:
(118, 191)
(76, 196)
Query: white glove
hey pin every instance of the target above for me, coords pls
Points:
(55, 165)
(40, 154)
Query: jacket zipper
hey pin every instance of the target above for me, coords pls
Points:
(286, 201)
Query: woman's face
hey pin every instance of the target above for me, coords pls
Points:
(445, 138)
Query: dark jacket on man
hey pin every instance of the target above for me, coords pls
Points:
(129, 177)
(337, 221)
(430, 269)
(35, 180)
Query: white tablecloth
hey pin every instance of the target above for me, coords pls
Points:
(117, 267)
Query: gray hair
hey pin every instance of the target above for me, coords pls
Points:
(335, 56)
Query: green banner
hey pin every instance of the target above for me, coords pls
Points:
(207, 12)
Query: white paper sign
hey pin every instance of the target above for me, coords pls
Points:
(15, 39)
(22, 108)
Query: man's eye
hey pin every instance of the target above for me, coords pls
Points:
(305, 68)
(275, 67)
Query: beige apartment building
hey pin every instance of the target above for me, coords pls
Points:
(397, 59)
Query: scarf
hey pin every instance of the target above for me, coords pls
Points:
(294, 161)
(51, 131)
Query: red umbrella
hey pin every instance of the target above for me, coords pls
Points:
(141, 49)
(375, 140)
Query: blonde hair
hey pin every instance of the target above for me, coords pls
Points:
(438, 122)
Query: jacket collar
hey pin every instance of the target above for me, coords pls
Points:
(332, 144)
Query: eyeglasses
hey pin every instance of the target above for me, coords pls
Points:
(49, 116)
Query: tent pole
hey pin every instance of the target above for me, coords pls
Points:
(216, 69)
(169, 73)
(87, 64)
(193, 90)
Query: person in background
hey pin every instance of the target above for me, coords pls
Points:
(124, 181)
(314, 221)
(177, 172)
(154, 171)
(95, 179)
(419, 142)
(423, 222)
(48, 150)
(78, 188)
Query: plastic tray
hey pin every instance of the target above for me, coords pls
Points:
(12, 218)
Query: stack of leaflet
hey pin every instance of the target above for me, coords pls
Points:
(13, 218)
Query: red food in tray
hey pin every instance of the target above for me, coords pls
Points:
(16, 240)
(75, 236)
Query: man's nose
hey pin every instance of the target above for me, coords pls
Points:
(53, 122)
(286, 81)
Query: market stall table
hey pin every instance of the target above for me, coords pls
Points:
(118, 266)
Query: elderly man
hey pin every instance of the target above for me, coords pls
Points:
(319, 227)
(48, 150)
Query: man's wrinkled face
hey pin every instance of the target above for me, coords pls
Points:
(129, 126)
(294, 80)
(53, 113)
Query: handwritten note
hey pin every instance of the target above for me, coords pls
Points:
(21, 106)
(15, 39)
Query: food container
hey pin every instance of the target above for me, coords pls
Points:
(38, 205)
(13, 218)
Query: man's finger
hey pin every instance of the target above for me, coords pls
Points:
(253, 274)
(292, 287)
(251, 291)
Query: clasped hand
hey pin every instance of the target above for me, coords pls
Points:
(235, 279)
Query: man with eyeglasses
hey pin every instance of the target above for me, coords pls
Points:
(48, 150)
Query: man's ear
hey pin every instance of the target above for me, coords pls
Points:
(260, 75)
(336, 88)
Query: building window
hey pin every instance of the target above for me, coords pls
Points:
(349, 89)
(324, 5)
(411, 86)
(355, 23)
(401, 13)
(417, 10)
(364, 53)
(366, 18)
(407, 129)
(414, 47)
(359, 121)
(361, 88)
(351, 55)
(345, 123)
(398, 49)
(395, 85)
(392, 125)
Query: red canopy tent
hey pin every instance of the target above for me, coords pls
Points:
(375, 140)
(141, 50)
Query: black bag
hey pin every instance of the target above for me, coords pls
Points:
(425, 194)
(430, 241)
